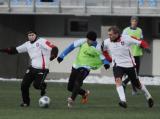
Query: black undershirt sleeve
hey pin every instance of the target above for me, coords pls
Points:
(10, 50)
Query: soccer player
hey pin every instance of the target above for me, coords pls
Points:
(88, 58)
(136, 32)
(41, 52)
(123, 62)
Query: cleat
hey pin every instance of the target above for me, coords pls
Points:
(70, 102)
(84, 99)
(123, 104)
(134, 92)
(150, 102)
(24, 105)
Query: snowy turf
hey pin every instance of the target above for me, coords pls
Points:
(99, 80)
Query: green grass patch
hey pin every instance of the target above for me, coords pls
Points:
(103, 103)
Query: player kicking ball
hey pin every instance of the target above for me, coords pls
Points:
(88, 58)
(41, 52)
(123, 62)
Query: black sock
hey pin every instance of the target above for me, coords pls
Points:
(125, 82)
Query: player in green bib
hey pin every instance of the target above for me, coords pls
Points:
(136, 32)
(88, 58)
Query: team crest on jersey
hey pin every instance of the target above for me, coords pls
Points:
(122, 42)
(37, 44)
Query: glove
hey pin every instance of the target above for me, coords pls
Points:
(59, 59)
(106, 66)
(144, 44)
(52, 58)
(54, 53)
(4, 50)
(11, 50)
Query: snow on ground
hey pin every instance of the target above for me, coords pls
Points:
(99, 80)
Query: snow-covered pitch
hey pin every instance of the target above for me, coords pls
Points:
(99, 80)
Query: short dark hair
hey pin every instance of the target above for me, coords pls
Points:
(29, 32)
(115, 29)
(134, 18)
(91, 35)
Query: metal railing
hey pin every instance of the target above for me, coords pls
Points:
(113, 6)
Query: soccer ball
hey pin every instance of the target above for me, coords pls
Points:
(44, 102)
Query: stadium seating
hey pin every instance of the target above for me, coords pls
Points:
(83, 7)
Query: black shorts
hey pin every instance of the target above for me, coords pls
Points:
(120, 71)
(130, 72)
(37, 76)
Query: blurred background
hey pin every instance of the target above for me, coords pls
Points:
(63, 21)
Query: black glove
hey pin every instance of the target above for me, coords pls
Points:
(54, 53)
(59, 59)
(11, 50)
(52, 58)
(106, 66)
(4, 50)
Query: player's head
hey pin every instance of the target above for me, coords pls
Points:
(134, 21)
(91, 37)
(113, 33)
(32, 36)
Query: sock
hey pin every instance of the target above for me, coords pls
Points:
(121, 93)
(125, 82)
(145, 91)
(82, 92)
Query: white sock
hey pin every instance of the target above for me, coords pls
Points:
(121, 93)
(145, 91)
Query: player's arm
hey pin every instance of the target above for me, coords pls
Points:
(51, 47)
(135, 41)
(105, 52)
(105, 57)
(105, 62)
(70, 48)
(10, 50)
(54, 53)
(142, 43)
(54, 49)
(14, 50)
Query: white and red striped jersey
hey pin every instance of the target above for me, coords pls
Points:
(39, 52)
(120, 50)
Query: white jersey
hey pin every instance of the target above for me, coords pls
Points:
(39, 52)
(120, 50)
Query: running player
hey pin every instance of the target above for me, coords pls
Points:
(89, 57)
(123, 62)
(136, 32)
(41, 52)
